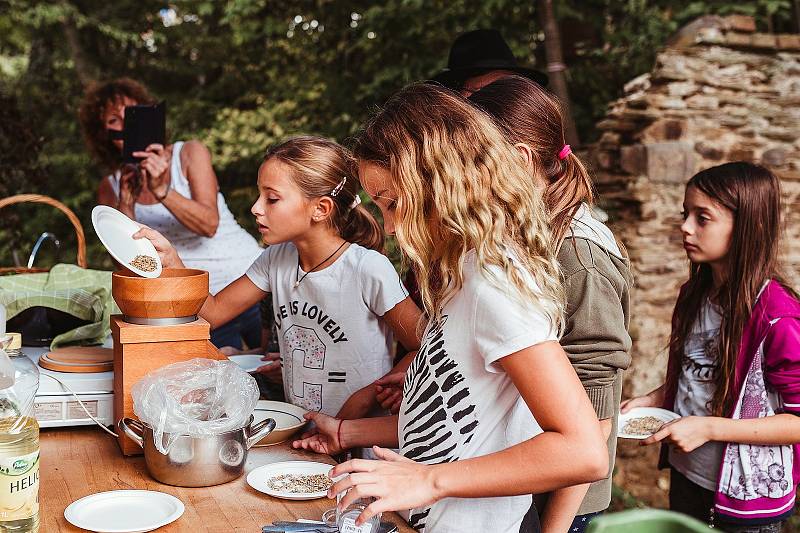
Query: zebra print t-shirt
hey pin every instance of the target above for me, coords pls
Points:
(458, 403)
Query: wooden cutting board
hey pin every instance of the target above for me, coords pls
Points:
(79, 359)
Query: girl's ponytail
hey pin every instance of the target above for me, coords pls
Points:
(361, 228)
(564, 194)
(527, 114)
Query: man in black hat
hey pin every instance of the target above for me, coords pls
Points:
(479, 57)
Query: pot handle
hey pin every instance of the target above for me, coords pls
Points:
(133, 429)
(259, 431)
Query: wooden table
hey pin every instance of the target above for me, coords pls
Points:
(77, 462)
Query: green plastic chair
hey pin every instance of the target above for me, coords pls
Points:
(646, 521)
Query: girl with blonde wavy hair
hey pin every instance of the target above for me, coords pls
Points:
(492, 410)
(595, 269)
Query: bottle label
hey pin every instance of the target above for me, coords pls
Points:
(19, 487)
(348, 525)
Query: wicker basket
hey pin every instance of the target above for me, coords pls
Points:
(38, 198)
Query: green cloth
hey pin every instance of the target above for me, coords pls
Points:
(83, 293)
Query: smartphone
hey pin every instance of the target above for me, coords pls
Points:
(144, 125)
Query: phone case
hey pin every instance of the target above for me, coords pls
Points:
(144, 125)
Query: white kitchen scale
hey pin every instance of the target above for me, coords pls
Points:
(56, 406)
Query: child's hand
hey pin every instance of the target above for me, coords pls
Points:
(654, 398)
(229, 350)
(389, 391)
(326, 440)
(687, 433)
(271, 370)
(169, 257)
(639, 401)
(388, 481)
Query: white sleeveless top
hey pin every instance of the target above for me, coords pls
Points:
(226, 255)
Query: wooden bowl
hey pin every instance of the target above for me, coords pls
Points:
(178, 292)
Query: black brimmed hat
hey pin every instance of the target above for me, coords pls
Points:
(480, 51)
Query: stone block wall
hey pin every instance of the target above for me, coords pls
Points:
(719, 92)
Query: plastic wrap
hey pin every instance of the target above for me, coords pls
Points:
(197, 397)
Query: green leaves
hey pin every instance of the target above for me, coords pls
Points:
(243, 74)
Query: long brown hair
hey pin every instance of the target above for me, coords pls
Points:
(319, 166)
(529, 114)
(752, 193)
(97, 99)
(461, 187)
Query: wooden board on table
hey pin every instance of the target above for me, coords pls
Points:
(79, 359)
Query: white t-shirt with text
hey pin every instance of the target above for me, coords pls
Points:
(458, 403)
(332, 340)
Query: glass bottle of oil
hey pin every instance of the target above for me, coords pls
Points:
(19, 439)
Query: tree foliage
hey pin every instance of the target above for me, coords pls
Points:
(242, 74)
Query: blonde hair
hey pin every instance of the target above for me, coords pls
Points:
(324, 168)
(461, 186)
(528, 114)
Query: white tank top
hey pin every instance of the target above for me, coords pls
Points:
(226, 255)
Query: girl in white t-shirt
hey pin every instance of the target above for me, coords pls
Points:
(338, 302)
(492, 410)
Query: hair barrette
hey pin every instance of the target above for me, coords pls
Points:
(565, 151)
(339, 186)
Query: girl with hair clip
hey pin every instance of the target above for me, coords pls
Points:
(595, 271)
(492, 410)
(734, 359)
(337, 300)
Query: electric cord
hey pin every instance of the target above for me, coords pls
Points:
(83, 406)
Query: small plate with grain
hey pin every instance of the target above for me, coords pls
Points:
(641, 422)
(115, 231)
(292, 480)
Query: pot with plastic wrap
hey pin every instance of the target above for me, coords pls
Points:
(196, 422)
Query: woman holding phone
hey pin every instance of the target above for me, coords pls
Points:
(174, 190)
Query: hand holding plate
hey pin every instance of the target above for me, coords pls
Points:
(687, 433)
(166, 252)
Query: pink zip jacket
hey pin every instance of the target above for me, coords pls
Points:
(757, 483)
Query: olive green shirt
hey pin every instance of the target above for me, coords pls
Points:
(597, 284)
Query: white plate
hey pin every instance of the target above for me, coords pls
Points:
(115, 231)
(258, 478)
(249, 362)
(288, 420)
(639, 412)
(124, 511)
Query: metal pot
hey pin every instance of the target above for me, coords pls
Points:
(198, 461)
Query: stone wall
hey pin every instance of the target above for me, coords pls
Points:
(719, 92)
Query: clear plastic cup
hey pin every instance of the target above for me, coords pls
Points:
(346, 518)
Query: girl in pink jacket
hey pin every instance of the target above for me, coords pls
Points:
(734, 364)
